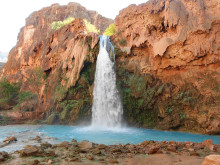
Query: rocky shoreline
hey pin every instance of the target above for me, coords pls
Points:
(86, 152)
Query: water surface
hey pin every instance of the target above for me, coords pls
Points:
(96, 135)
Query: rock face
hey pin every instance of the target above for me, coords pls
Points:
(48, 63)
(168, 65)
(173, 46)
(212, 160)
(1, 65)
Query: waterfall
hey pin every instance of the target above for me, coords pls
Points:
(107, 107)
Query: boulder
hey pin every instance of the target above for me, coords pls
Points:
(171, 148)
(101, 146)
(45, 145)
(2, 159)
(10, 139)
(3, 156)
(209, 144)
(29, 151)
(85, 145)
(89, 157)
(212, 160)
(153, 150)
(64, 144)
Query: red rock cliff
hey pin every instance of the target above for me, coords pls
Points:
(48, 62)
(176, 42)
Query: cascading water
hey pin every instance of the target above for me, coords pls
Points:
(107, 107)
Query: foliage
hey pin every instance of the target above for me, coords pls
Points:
(90, 27)
(53, 118)
(37, 78)
(8, 91)
(58, 24)
(182, 116)
(122, 42)
(25, 96)
(60, 93)
(110, 30)
(3, 120)
(138, 85)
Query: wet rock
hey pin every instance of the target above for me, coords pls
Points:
(45, 145)
(144, 143)
(64, 144)
(74, 159)
(199, 146)
(159, 152)
(209, 144)
(192, 152)
(29, 151)
(172, 142)
(2, 158)
(82, 151)
(35, 162)
(171, 148)
(85, 145)
(153, 150)
(113, 161)
(118, 150)
(4, 154)
(3, 144)
(51, 153)
(89, 157)
(212, 160)
(151, 142)
(73, 141)
(96, 151)
(50, 161)
(101, 146)
(10, 139)
(101, 160)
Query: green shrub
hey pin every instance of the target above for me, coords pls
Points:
(53, 118)
(122, 42)
(37, 78)
(25, 96)
(3, 120)
(170, 110)
(8, 91)
(182, 116)
(60, 93)
(110, 30)
(90, 27)
(138, 85)
(58, 24)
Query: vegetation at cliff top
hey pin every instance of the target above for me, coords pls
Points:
(56, 25)
(90, 27)
(110, 30)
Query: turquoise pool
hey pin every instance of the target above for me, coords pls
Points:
(97, 135)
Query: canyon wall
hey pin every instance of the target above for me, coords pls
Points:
(168, 65)
(48, 65)
(1, 65)
(171, 50)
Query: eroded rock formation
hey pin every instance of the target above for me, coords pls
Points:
(168, 64)
(174, 46)
(1, 65)
(48, 63)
